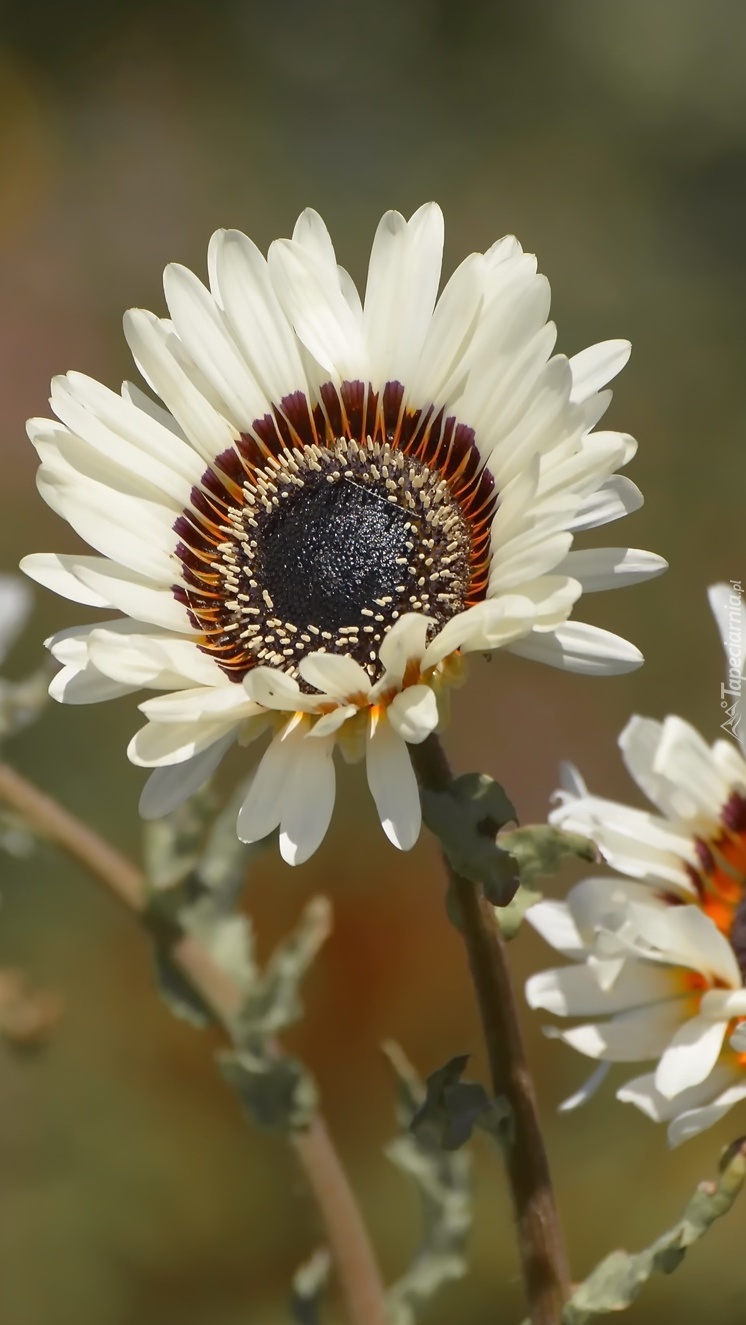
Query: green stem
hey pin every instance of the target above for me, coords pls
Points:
(540, 1241)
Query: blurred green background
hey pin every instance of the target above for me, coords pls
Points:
(610, 136)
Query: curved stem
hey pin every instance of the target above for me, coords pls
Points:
(540, 1241)
(352, 1253)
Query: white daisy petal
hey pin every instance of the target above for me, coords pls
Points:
(691, 1055)
(694, 1121)
(335, 674)
(308, 801)
(588, 1089)
(86, 685)
(261, 811)
(628, 1037)
(413, 713)
(393, 784)
(172, 784)
(58, 574)
(277, 690)
(611, 567)
(259, 326)
(617, 497)
(319, 312)
(577, 647)
(594, 367)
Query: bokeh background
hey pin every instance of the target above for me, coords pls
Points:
(610, 136)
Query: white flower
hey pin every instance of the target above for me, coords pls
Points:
(337, 500)
(659, 956)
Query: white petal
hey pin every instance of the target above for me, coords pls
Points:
(277, 690)
(319, 312)
(578, 991)
(136, 533)
(202, 329)
(404, 643)
(198, 703)
(151, 343)
(169, 786)
(331, 722)
(489, 625)
(587, 1090)
(256, 319)
(686, 935)
(694, 1121)
(113, 429)
(172, 743)
(335, 674)
(611, 567)
(154, 659)
(451, 330)
(393, 784)
(133, 594)
(641, 1092)
(617, 497)
(262, 809)
(629, 1037)
(594, 367)
(413, 713)
(577, 647)
(308, 801)
(729, 611)
(85, 685)
(58, 574)
(400, 294)
(554, 922)
(691, 1055)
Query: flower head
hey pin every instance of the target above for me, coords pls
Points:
(659, 953)
(336, 501)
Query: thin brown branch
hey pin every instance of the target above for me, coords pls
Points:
(540, 1241)
(352, 1253)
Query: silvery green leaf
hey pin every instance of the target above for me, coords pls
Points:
(540, 849)
(273, 1002)
(172, 845)
(22, 702)
(620, 1278)
(510, 917)
(177, 992)
(452, 1108)
(308, 1284)
(225, 860)
(443, 1182)
(466, 819)
(275, 1090)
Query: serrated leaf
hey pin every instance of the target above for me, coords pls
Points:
(225, 860)
(442, 1181)
(273, 1002)
(172, 845)
(176, 991)
(308, 1285)
(619, 1279)
(541, 849)
(275, 1090)
(452, 1108)
(466, 819)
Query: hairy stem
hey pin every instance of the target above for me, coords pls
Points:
(352, 1253)
(540, 1241)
